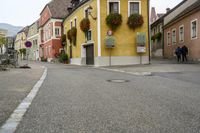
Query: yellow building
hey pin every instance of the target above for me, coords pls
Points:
(20, 40)
(91, 48)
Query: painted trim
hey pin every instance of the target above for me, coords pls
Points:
(140, 6)
(181, 26)
(196, 29)
(99, 27)
(168, 38)
(174, 41)
(108, 6)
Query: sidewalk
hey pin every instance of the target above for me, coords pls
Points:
(157, 65)
(15, 84)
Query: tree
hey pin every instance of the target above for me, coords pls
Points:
(3, 41)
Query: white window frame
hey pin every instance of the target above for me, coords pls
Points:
(168, 38)
(58, 27)
(174, 38)
(182, 26)
(140, 7)
(108, 6)
(195, 20)
(71, 24)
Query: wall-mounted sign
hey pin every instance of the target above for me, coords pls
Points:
(28, 44)
(141, 49)
(110, 42)
(141, 39)
(109, 33)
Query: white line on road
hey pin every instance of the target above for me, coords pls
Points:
(13, 121)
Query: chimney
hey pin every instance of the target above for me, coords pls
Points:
(167, 10)
(69, 9)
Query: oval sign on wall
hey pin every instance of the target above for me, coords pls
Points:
(28, 44)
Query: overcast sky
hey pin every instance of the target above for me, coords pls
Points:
(25, 12)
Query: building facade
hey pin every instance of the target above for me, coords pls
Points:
(181, 28)
(90, 49)
(50, 28)
(3, 34)
(33, 35)
(20, 40)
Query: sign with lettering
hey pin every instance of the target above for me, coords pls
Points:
(110, 42)
(141, 39)
(141, 49)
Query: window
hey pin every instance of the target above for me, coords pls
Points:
(181, 33)
(75, 21)
(86, 13)
(89, 35)
(57, 31)
(113, 6)
(168, 38)
(71, 24)
(194, 29)
(173, 36)
(134, 7)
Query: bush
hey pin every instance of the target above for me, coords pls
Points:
(85, 25)
(69, 36)
(73, 33)
(135, 20)
(158, 36)
(43, 59)
(63, 58)
(114, 20)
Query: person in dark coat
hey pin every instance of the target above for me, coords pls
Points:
(184, 53)
(178, 53)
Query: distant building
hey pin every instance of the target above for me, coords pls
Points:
(50, 28)
(33, 35)
(3, 34)
(157, 33)
(20, 40)
(181, 27)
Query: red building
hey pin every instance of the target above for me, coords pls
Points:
(182, 28)
(50, 28)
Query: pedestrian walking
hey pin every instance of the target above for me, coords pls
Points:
(184, 53)
(178, 53)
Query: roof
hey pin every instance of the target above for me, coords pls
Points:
(25, 30)
(160, 15)
(193, 8)
(58, 8)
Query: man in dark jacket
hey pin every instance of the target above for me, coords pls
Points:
(184, 53)
(178, 53)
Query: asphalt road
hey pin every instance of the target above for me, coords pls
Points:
(77, 99)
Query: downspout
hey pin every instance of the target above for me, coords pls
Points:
(148, 4)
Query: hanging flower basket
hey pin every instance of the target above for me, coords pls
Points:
(85, 25)
(114, 20)
(135, 21)
(73, 33)
(69, 36)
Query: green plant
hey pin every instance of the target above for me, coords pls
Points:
(63, 58)
(85, 25)
(114, 20)
(63, 39)
(43, 59)
(69, 36)
(135, 21)
(73, 33)
(158, 36)
(22, 51)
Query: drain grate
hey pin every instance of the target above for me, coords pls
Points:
(118, 81)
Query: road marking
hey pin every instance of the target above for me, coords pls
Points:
(13, 121)
(133, 73)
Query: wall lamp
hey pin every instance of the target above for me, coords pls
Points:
(90, 12)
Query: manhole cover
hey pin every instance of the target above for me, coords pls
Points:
(118, 81)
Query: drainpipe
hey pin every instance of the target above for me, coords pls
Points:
(148, 7)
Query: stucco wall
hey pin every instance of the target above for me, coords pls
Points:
(193, 45)
(79, 15)
(125, 37)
